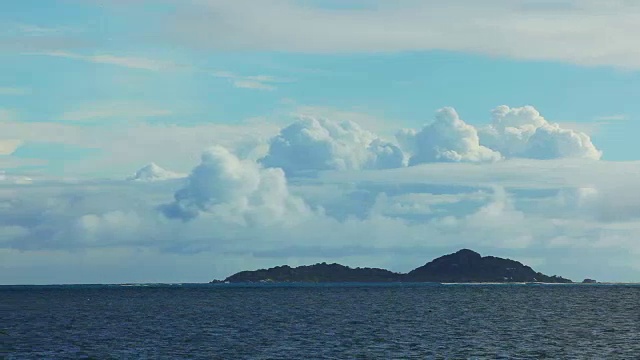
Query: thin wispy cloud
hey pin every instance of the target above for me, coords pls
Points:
(253, 82)
(34, 30)
(123, 61)
(16, 37)
(114, 110)
(255, 85)
(37, 30)
(14, 91)
(612, 118)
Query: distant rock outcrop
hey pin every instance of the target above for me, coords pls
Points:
(462, 266)
(153, 172)
(589, 281)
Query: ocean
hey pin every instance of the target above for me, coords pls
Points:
(347, 321)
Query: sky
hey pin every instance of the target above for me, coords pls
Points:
(186, 140)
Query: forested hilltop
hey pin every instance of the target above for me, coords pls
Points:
(460, 267)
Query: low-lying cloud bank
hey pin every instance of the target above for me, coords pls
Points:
(229, 207)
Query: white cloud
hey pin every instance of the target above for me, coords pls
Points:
(383, 126)
(447, 139)
(239, 190)
(523, 132)
(313, 144)
(513, 133)
(553, 142)
(153, 172)
(599, 33)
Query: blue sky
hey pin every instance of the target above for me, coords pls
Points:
(304, 103)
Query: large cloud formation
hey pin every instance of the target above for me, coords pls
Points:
(312, 144)
(316, 144)
(514, 133)
(447, 139)
(238, 190)
(523, 132)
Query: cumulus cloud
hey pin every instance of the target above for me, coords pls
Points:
(153, 172)
(312, 144)
(523, 132)
(514, 133)
(447, 139)
(239, 190)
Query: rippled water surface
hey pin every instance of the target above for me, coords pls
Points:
(320, 322)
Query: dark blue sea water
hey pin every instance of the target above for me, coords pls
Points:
(320, 322)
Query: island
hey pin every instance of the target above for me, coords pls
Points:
(463, 266)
